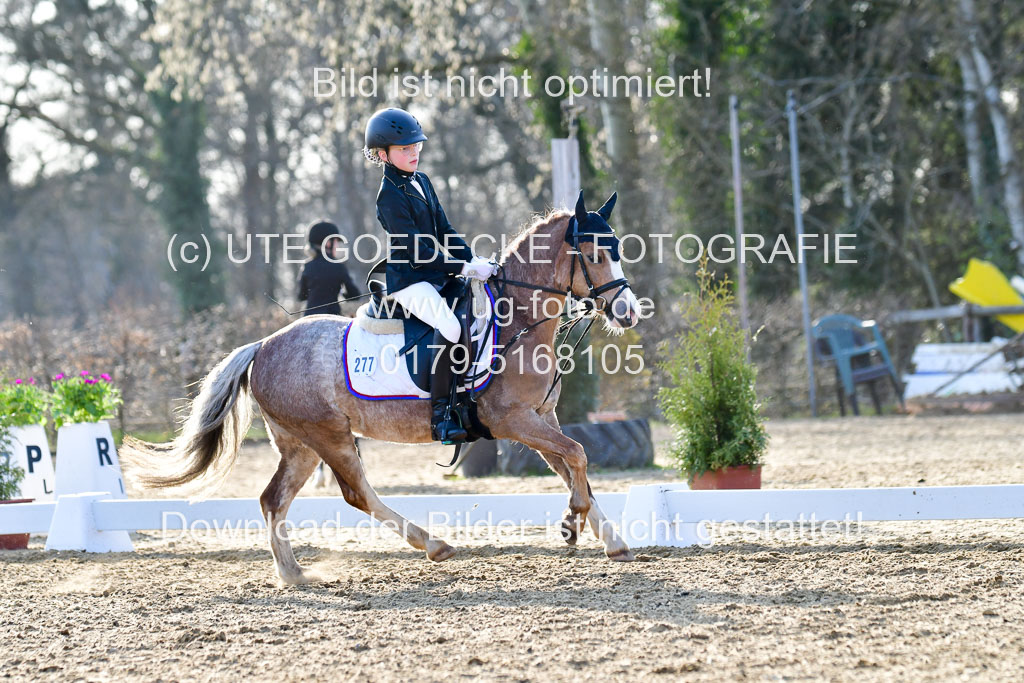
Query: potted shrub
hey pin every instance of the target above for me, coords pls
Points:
(711, 402)
(86, 455)
(24, 404)
(10, 482)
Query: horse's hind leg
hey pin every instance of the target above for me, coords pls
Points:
(297, 462)
(342, 456)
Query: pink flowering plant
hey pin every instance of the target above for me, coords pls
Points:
(24, 402)
(83, 398)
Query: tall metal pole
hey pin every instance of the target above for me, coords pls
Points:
(737, 204)
(798, 216)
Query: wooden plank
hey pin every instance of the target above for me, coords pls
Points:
(925, 314)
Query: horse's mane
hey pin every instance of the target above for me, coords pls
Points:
(538, 224)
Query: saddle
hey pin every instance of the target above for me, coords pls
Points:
(382, 314)
(382, 331)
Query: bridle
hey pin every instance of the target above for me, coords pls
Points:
(585, 309)
(593, 292)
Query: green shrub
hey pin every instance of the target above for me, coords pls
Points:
(23, 402)
(83, 398)
(711, 402)
(10, 475)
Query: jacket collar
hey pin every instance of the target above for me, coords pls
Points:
(401, 181)
(399, 177)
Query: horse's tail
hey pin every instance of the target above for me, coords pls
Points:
(208, 443)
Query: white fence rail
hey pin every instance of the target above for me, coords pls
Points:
(868, 505)
(26, 518)
(461, 510)
(659, 514)
(96, 522)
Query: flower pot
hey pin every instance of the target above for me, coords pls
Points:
(738, 477)
(14, 541)
(87, 460)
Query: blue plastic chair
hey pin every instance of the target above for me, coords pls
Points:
(857, 351)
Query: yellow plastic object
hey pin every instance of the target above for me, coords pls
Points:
(985, 285)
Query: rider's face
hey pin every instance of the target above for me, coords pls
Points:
(332, 247)
(405, 157)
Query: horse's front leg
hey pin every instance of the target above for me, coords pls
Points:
(614, 547)
(566, 457)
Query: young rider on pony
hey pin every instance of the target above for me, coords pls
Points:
(424, 250)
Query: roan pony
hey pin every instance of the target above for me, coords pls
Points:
(297, 378)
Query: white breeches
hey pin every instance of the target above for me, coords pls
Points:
(424, 302)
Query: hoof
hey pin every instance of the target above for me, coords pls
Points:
(299, 578)
(439, 551)
(621, 555)
(570, 530)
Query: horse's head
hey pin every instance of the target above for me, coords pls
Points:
(596, 268)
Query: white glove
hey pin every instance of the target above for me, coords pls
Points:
(478, 268)
(488, 263)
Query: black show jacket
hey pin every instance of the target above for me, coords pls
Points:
(320, 283)
(418, 232)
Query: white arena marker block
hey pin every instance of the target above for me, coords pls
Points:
(30, 451)
(87, 460)
(73, 527)
(646, 520)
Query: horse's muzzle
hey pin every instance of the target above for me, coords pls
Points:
(622, 313)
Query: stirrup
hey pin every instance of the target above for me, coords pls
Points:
(453, 418)
(447, 439)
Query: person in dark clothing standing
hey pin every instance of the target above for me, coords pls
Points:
(322, 277)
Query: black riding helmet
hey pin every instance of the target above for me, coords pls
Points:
(320, 231)
(392, 126)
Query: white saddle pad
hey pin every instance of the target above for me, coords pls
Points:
(374, 370)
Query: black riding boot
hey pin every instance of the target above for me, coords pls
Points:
(444, 422)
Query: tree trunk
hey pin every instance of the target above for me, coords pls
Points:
(608, 41)
(179, 134)
(353, 214)
(972, 134)
(272, 222)
(252, 203)
(1013, 191)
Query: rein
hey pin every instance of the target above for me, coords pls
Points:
(313, 308)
